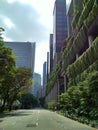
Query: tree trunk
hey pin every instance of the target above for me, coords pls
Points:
(10, 106)
(3, 106)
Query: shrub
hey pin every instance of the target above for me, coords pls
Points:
(52, 105)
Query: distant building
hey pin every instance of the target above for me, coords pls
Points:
(48, 65)
(59, 28)
(24, 52)
(60, 34)
(40, 92)
(51, 52)
(44, 77)
(36, 84)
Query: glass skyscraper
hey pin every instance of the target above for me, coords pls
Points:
(36, 84)
(59, 25)
(24, 52)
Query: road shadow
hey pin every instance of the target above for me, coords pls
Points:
(21, 112)
(11, 114)
(1, 121)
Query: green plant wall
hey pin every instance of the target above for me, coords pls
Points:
(92, 15)
(87, 8)
(53, 78)
(83, 62)
(78, 43)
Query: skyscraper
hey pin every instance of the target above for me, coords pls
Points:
(24, 52)
(59, 25)
(51, 52)
(48, 65)
(36, 84)
(44, 76)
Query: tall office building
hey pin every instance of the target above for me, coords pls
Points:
(59, 26)
(36, 84)
(24, 52)
(44, 77)
(48, 65)
(51, 52)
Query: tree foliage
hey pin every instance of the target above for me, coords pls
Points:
(28, 101)
(82, 99)
(13, 80)
(7, 71)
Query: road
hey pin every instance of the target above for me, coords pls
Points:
(38, 119)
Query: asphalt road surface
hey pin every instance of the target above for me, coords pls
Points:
(38, 119)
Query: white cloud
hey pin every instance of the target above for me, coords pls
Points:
(8, 23)
(44, 9)
(6, 38)
(11, 1)
(29, 20)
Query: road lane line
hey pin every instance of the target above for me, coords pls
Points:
(36, 123)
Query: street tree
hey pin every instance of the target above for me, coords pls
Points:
(21, 82)
(7, 68)
(28, 101)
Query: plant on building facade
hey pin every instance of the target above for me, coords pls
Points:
(70, 53)
(83, 62)
(53, 78)
(75, 20)
(83, 75)
(84, 2)
(87, 8)
(78, 7)
(92, 15)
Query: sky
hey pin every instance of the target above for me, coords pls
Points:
(28, 20)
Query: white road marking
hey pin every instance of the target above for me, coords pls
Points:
(36, 123)
(38, 111)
